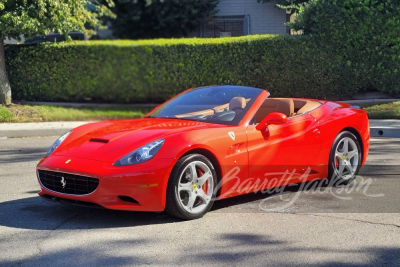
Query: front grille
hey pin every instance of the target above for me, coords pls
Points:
(68, 183)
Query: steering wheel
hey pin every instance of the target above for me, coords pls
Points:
(227, 115)
(237, 108)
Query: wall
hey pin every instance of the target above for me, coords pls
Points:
(264, 18)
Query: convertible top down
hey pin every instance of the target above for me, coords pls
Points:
(205, 144)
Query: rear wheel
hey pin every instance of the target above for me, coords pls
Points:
(345, 159)
(190, 191)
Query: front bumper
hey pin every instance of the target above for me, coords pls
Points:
(145, 182)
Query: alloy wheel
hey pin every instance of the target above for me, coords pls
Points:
(346, 158)
(195, 187)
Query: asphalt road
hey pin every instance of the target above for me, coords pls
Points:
(295, 227)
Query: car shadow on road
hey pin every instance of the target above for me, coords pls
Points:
(284, 199)
(372, 192)
(255, 197)
(39, 214)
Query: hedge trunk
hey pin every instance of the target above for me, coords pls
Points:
(5, 89)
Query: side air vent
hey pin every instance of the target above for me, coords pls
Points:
(99, 140)
(128, 199)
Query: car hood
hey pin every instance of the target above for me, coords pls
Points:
(108, 141)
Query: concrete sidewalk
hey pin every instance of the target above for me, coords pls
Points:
(81, 105)
(379, 128)
(11, 130)
(363, 101)
(384, 128)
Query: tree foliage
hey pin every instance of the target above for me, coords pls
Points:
(159, 18)
(291, 5)
(32, 17)
(29, 18)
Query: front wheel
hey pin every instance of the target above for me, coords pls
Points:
(345, 159)
(190, 191)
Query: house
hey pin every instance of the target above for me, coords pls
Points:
(243, 17)
(236, 18)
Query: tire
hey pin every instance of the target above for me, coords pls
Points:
(191, 196)
(344, 164)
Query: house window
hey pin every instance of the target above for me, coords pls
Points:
(226, 26)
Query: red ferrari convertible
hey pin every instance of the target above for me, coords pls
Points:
(203, 145)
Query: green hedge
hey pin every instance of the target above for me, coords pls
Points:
(154, 70)
(364, 34)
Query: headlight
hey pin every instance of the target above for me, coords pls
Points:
(141, 154)
(57, 143)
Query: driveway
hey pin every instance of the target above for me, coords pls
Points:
(360, 227)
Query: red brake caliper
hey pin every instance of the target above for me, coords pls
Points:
(204, 187)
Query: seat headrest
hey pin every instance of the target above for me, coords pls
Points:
(237, 102)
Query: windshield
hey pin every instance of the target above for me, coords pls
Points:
(217, 104)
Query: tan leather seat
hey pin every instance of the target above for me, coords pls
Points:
(238, 103)
(283, 105)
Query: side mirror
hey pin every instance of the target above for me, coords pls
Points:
(276, 118)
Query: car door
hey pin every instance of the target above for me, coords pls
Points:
(290, 147)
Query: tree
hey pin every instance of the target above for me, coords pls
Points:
(29, 18)
(159, 18)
